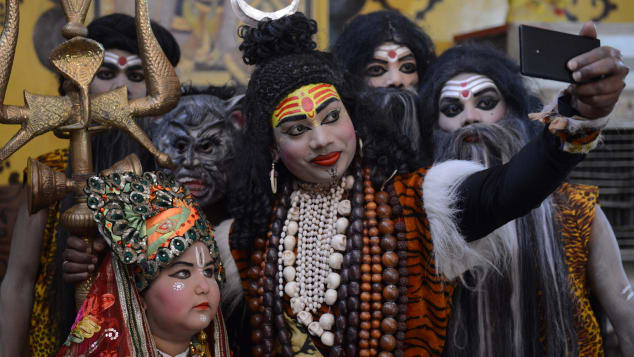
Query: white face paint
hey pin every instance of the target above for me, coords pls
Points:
(203, 318)
(391, 52)
(178, 286)
(464, 89)
(201, 257)
(469, 98)
(392, 65)
(120, 61)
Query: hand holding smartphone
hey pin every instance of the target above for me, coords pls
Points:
(545, 53)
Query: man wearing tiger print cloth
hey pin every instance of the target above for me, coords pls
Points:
(558, 254)
(345, 247)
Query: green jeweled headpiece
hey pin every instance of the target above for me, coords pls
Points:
(148, 221)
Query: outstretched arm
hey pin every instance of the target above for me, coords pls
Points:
(16, 293)
(609, 283)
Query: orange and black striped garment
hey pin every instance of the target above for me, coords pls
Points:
(429, 305)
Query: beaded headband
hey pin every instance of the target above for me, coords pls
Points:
(148, 221)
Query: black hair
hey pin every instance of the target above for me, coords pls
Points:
(355, 46)
(118, 31)
(396, 112)
(285, 58)
(481, 59)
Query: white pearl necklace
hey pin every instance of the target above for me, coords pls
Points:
(313, 227)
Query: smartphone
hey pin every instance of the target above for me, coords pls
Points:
(545, 53)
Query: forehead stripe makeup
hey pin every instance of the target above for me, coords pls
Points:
(466, 88)
(304, 100)
(122, 62)
(391, 52)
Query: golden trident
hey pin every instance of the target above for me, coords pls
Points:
(77, 115)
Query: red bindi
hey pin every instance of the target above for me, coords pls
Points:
(391, 54)
(465, 93)
(307, 104)
(122, 61)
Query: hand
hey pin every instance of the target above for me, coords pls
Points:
(604, 67)
(79, 259)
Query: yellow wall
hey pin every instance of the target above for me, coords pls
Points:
(27, 74)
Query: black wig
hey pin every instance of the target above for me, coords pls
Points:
(118, 31)
(355, 46)
(285, 58)
(483, 60)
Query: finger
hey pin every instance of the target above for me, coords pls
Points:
(592, 56)
(74, 268)
(99, 245)
(604, 67)
(79, 257)
(75, 278)
(76, 243)
(606, 86)
(589, 29)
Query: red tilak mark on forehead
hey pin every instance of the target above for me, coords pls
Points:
(391, 54)
(122, 61)
(465, 93)
(307, 104)
(463, 84)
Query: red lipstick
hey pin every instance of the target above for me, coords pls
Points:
(328, 159)
(202, 306)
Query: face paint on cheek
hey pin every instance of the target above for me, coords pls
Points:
(178, 286)
(304, 101)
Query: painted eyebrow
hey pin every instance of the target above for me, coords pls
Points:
(109, 65)
(323, 105)
(380, 61)
(292, 118)
(136, 67)
(486, 90)
(182, 263)
(409, 56)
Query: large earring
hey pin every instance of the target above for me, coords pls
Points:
(360, 147)
(273, 178)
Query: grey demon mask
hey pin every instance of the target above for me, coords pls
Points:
(199, 137)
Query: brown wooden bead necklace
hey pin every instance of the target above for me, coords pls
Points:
(371, 306)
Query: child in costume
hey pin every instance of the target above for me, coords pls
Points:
(157, 293)
(561, 253)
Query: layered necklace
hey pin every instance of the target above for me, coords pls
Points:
(311, 242)
(339, 249)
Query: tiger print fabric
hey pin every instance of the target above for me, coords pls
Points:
(575, 204)
(429, 296)
(42, 341)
